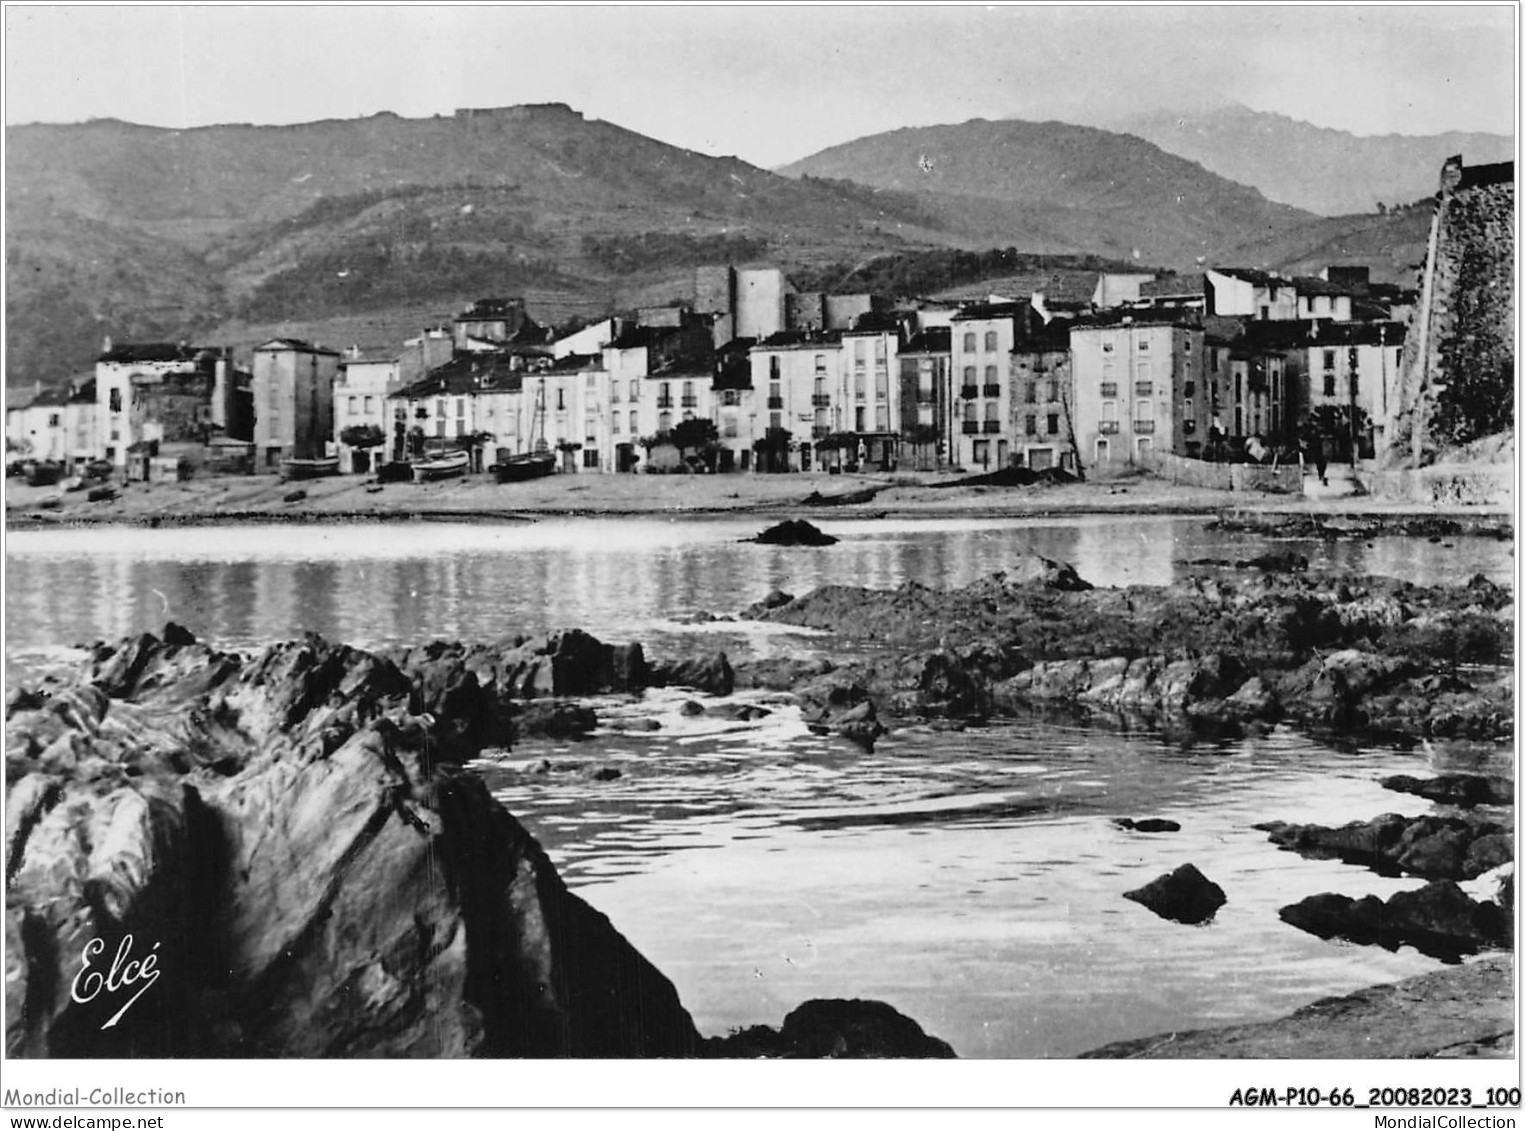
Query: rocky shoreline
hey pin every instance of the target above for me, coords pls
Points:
(296, 833)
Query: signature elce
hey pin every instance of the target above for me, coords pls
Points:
(123, 974)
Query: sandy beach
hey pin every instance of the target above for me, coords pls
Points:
(479, 498)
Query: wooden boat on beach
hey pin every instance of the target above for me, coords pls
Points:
(528, 465)
(441, 466)
(310, 468)
(521, 466)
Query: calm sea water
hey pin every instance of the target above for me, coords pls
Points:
(972, 879)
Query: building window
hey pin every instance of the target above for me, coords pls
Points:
(773, 368)
(1053, 390)
(1355, 382)
(820, 363)
(368, 407)
(116, 400)
(1145, 371)
(614, 394)
(1143, 345)
(54, 420)
(354, 403)
(1032, 392)
(990, 377)
(614, 422)
(775, 420)
(1053, 424)
(1329, 383)
(1329, 359)
(635, 390)
(460, 407)
(1145, 411)
(1107, 345)
(439, 407)
(971, 413)
(1031, 425)
(635, 422)
(969, 342)
(561, 399)
(990, 341)
(882, 418)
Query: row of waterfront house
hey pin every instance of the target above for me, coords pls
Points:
(1209, 366)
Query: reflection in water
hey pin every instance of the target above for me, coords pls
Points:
(242, 586)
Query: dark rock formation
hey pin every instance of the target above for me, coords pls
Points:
(1441, 848)
(1366, 655)
(711, 674)
(794, 532)
(1286, 562)
(842, 705)
(1463, 1010)
(1185, 895)
(292, 840)
(312, 871)
(553, 718)
(1148, 825)
(853, 1029)
(1462, 790)
(1439, 919)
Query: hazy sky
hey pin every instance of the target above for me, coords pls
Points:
(768, 84)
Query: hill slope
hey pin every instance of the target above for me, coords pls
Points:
(1326, 171)
(1086, 188)
(128, 229)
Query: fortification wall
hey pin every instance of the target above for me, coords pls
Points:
(1456, 375)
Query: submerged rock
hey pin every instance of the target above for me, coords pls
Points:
(1462, 790)
(1453, 848)
(1438, 919)
(711, 674)
(837, 1029)
(1185, 895)
(794, 532)
(1148, 825)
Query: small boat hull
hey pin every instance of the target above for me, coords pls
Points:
(441, 467)
(518, 469)
(310, 468)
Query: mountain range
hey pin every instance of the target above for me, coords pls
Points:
(1330, 172)
(364, 230)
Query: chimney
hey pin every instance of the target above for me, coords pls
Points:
(106, 344)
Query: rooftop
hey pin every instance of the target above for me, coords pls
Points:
(296, 345)
(150, 352)
(802, 339)
(467, 373)
(990, 310)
